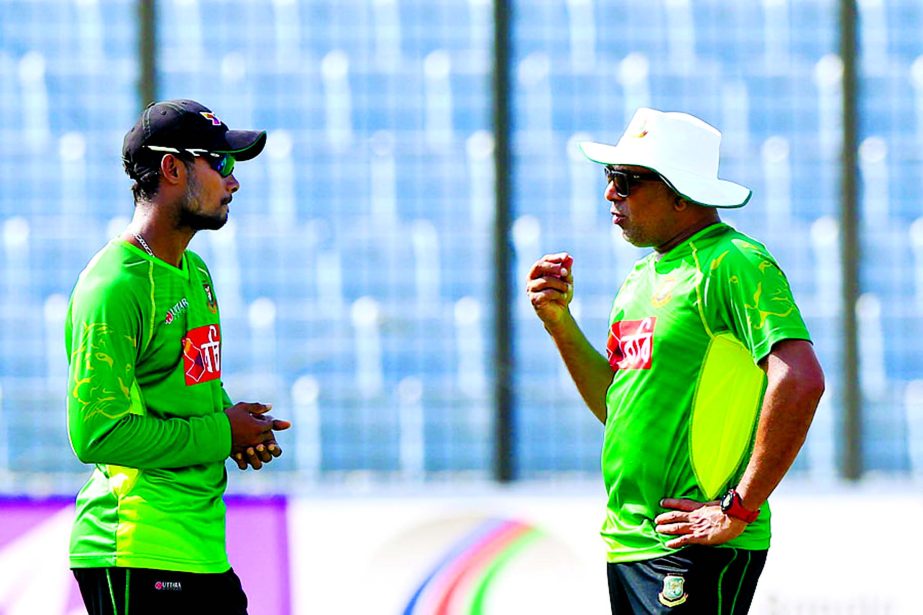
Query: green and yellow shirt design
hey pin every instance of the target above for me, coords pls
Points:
(687, 331)
(145, 406)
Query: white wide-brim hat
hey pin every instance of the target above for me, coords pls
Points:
(681, 148)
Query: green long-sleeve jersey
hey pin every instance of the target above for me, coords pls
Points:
(145, 404)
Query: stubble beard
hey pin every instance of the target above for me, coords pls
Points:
(190, 216)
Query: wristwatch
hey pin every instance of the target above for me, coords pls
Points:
(732, 506)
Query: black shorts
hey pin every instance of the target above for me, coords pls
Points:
(697, 580)
(141, 591)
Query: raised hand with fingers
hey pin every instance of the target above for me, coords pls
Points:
(550, 286)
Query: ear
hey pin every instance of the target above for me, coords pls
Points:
(172, 168)
(680, 204)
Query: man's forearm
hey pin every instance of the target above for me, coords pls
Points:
(793, 392)
(587, 367)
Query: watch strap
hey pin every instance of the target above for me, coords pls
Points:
(733, 506)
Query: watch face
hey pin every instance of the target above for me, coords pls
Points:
(726, 501)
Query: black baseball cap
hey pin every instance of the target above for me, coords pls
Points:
(187, 127)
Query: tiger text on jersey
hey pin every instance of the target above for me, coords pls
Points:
(202, 354)
(631, 344)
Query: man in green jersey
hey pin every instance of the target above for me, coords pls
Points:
(710, 380)
(145, 400)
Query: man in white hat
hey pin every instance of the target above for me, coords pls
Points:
(710, 380)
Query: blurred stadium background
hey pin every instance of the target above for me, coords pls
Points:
(371, 274)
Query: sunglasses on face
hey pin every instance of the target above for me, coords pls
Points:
(623, 179)
(223, 163)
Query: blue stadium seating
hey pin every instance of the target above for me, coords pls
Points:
(337, 213)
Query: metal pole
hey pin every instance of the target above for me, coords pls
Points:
(851, 457)
(147, 51)
(504, 448)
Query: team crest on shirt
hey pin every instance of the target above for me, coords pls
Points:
(673, 592)
(664, 291)
(210, 297)
(631, 344)
(202, 354)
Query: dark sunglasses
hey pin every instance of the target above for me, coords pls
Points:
(624, 179)
(223, 163)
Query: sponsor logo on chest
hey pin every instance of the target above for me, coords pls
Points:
(181, 306)
(631, 344)
(202, 354)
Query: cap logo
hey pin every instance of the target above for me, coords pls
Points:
(641, 130)
(214, 119)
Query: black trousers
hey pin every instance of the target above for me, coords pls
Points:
(141, 591)
(697, 580)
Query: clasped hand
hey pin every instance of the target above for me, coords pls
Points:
(253, 441)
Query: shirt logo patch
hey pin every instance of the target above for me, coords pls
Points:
(202, 354)
(210, 297)
(631, 344)
(664, 293)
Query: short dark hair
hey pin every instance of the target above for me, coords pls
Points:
(145, 172)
